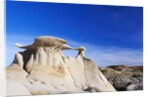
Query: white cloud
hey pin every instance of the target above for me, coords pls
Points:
(104, 56)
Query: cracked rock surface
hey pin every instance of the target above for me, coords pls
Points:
(42, 69)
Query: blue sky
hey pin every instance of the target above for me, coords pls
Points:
(112, 34)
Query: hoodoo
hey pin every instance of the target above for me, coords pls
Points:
(43, 69)
(81, 51)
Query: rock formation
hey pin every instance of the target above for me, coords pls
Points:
(124, 78)
(42, 68)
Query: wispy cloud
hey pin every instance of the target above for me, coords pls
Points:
(102, 56)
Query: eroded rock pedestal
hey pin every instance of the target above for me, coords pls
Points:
(43, 69)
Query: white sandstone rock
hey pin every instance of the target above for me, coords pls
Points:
(43, 69)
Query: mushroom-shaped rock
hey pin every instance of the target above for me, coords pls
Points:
(81, 48)
(44, 41)
(81, 51)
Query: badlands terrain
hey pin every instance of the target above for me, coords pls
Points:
(42, 69)
(124, 78)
